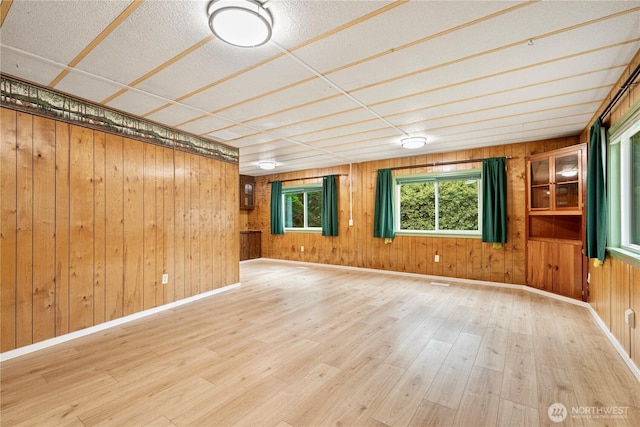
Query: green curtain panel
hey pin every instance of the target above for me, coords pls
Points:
(494, 201)
(329, 206)
(277, 223)
(383, 225)
(596, 228)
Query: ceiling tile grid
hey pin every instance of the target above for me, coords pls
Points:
(342, 80)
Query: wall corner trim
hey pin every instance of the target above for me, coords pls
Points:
(11, 354)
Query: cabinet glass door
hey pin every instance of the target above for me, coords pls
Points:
(567, 175)
(540, 188)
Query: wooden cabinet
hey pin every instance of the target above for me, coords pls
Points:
(250, 244)
(555, 221)
(555, 267)
(556, 181)
(247, 192)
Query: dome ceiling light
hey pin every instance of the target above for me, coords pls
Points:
(413, 142)
(242, 23)
(267, 165)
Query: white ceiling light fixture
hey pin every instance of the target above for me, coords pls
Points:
(413, 142)
(242, 23)
(267, 164)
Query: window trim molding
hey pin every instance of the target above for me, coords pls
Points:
(475, 173)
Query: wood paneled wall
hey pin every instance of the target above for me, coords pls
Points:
(615, 286)
(89, 223)
(355, 246)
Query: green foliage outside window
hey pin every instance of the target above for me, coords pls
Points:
(294, 209)
(457, 205)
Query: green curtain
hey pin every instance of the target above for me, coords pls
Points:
(329, 212)
(277, 223)
(596, 228)
(494, 201)
(383, 224)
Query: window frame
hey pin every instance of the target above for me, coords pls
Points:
(625, 152)
(618, 186)
(436, 177)
(308, 188)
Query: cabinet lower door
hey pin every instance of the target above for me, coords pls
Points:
(539, 269)
(566, 260)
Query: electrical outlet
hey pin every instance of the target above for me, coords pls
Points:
(436, 258)
(350, 222)
(165, 279)
(301, 248)
(630, 318)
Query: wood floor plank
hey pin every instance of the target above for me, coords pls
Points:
(449, 385)
(315, 345)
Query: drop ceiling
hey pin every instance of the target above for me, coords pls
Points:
(340, 81)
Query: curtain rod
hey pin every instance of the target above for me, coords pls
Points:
(452, 162)
(625, 87)
(306, 177)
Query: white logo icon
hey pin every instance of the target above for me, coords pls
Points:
(557, 412)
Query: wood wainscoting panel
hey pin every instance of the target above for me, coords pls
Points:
(100, 224)
(114, 227)
(24, 227)
(44, 231)
(149, 228)
(620, 302)
(63, 218)
(90, 221)
(8, 228)
(81, 234)
(133, 226)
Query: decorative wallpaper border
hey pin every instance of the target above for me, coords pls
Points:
(18, 95)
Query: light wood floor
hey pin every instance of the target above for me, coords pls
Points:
(316, 346)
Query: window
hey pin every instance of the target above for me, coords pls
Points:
(624, 189)
(302, 207)
(634, 211)
(439, 204)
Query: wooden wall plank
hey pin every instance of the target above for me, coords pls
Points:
(179, 233)
(516, 170)
(159, 245)
(44, 217)
(508, 247)
(195, 224)
(8, 228)
(635, 305)
(205, 222)
(114, 227)
(232, 258)
(188, 284)
(149, 227)
(219, 233)
(63, 200)
(169, 290)
(99, 232)
(448, 259)
(133, 226)
(620, 301)
(81, 235)
(24, 211)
